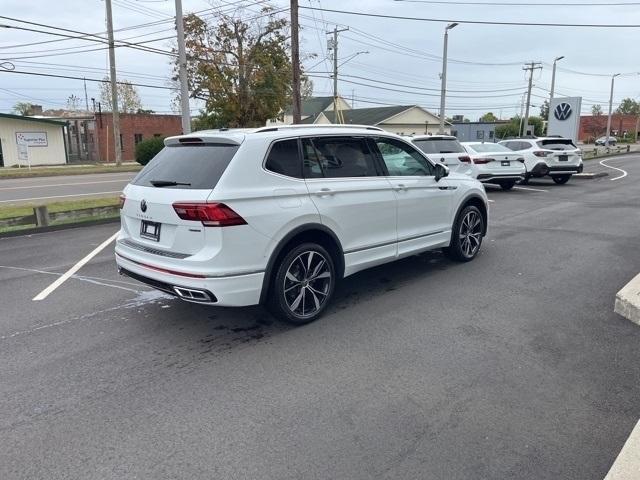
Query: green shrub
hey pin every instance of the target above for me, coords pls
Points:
(147, 149)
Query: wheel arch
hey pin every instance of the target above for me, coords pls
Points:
(313, 232)
(477, 201)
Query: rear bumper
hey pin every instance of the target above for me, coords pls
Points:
(489, 177)
(542, 169)
(227, 291)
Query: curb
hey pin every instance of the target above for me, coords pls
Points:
(628, 301)
(55, 228)
(627, 464)
(590, 176)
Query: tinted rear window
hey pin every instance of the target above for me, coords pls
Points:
(200, 166)
(440, 145)
(557, 144)
(284, 158)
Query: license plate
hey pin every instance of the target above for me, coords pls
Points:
(506, 164)
(563, 158)
(150, 230)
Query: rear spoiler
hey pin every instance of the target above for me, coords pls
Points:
(194, 139)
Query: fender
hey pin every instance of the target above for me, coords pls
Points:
(286, 239)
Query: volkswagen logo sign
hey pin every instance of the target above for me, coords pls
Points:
(143, 205)
(562, 111)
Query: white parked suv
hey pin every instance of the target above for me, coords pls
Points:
(444, 149)
(494, 163)
(557, 157)
(278, 215)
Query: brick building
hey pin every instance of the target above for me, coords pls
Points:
(134, 127)
(595, 126)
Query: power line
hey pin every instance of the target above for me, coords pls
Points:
(70, 77)
(473, 22)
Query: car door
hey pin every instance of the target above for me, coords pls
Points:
(424, 204)
(354, 199)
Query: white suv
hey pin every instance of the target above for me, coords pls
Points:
(444, 149)
(277, 215)
(554, 156)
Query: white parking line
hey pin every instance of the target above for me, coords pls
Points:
(14, 200)
(62, 185)
(490, 200)
(624, 173)
(47, 291)
(531, 189)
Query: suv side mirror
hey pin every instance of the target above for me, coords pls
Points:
(441, 171)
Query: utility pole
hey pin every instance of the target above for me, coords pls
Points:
(613, 78)
(295, 63)
(114, 87)
(530, 67)
(182, 71)
(333, 44)
(443, 90)
(553, 78)
(86, 97)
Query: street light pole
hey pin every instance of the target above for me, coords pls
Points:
(443, 89)
(182, 71)
(553, 78)
(613, 78)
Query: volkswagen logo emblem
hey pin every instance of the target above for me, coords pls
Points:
(143, 205)
(562, 111)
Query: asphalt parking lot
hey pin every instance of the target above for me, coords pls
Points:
(511, 366)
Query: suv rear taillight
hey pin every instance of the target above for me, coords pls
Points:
(465, 159)
(210, 214)
(542, 153)
(123, 199)
(482, 161)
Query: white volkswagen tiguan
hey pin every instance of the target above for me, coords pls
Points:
(278, 215)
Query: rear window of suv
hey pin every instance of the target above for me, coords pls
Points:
(439, 145)
(198, 166)
(557, 144)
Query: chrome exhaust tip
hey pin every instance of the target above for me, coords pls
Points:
(194, 295)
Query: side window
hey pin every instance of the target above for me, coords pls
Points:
(284, 159)
(343, 157)
(403, 160)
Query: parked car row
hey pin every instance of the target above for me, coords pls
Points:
(278, 215)
(506, 162)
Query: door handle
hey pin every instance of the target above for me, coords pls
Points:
(399, 187)
(323, 192)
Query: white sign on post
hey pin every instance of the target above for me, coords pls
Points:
(33, 139)
(23, 153)
(564, 117)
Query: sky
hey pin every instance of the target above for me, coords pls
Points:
(402, 66)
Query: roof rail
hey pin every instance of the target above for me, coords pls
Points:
(299, 126)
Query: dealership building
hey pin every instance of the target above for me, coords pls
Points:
(34, 141)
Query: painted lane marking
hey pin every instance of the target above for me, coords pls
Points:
(531, 189)
(624, 173)
(58, 196)
(62, 185)
(47, 291)
(627, 464)
(492, 201)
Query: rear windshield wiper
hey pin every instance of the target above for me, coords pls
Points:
(167, 183)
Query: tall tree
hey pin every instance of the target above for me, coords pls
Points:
(22, 108)
(128, 97)
(241, 68)
(488, 117)
(629, 106)
(73, 103)
(596, 110)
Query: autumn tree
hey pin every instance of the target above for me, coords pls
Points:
(241, 68)
(596, 110)
(128, 97)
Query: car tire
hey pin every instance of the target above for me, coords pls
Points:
(466, 235)
(303, 284)
(561, 179)
(507, 185)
